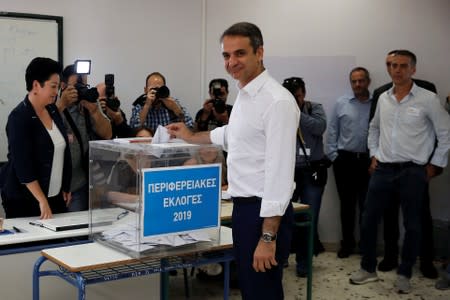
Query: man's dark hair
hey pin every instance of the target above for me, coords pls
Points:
(221, 81)
(155, 74)
(246, 29)
(408, 53)
(40, 69)
(292, 84)
(366, 72)
(67, 72)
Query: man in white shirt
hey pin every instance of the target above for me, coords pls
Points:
(401, 139)
(260, 139)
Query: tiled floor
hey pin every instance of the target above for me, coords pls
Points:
(330, 282)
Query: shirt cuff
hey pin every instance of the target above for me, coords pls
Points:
(217, 136)
(272, 209)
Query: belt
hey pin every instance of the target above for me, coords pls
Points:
(357, 155)
(253, 199)
(399, 165)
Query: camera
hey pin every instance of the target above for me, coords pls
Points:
(83, 67)
(111, 100)
(86, 93)
(219, 104)
(161, 92)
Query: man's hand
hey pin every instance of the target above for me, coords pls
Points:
(264, 256)
(68, 97)
(115, 116)
(151, 97)
(433, 171)
(373, 165)
(179, 130)
(208, 106)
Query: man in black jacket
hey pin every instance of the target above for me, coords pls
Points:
(391, 227)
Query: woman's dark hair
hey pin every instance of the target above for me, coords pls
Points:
(138, 129)
(40, 69)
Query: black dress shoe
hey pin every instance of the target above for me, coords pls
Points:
(388, 264)
(428, 270)
(344, 252)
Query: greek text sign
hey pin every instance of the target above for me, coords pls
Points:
(180, 199)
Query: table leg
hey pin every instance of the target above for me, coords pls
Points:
(81, 285)
(164, 281)
(36, 275)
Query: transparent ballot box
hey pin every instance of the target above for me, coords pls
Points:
(157, 197)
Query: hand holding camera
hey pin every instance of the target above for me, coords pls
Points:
(69, 96)
(156, 95)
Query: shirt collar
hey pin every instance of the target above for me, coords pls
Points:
(353, 98)
(413, 91)
(255, 85)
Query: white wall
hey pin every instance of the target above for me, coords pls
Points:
(133, 38)
(366, 30)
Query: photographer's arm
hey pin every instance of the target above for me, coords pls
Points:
(172, 105)
(100, 122)
(102, 125)
(143, 113)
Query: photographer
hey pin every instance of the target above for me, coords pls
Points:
(310, 167)
(215, 111)
(156, 107)
(84, 121)
(110, 105)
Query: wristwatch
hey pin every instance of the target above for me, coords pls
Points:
(268, 237)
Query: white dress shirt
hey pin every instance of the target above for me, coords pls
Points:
(260, 139)
(406, 130)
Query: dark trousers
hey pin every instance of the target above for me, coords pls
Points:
(406, 182)
(352, 178)
(392, 233)
(306, 192)
(247, 226)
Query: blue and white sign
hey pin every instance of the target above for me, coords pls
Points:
(180, 199)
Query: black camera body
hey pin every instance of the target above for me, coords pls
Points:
(83, 67)
(86, 93)
(162, 92)
(111, 100)
(219, 104)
